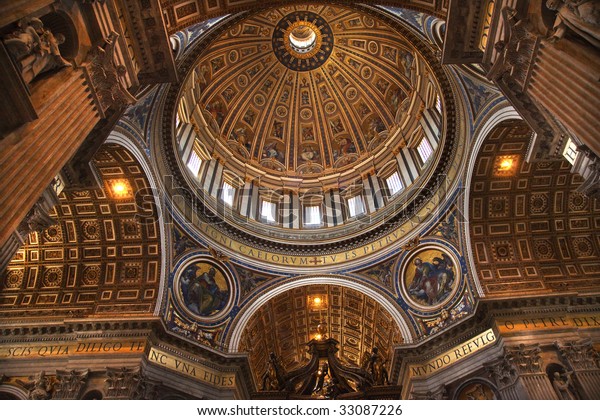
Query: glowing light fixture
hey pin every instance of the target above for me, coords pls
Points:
(321, 332)
(302, 38)
(317, 302)
(119, 188)
(506, 164)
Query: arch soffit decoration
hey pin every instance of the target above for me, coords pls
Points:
(531, 232)
(122, 139)
(387, 303)
(93, 227)
(503, 112)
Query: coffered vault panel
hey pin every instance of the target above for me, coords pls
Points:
(531, 232)
(288, 321)
(101, 258)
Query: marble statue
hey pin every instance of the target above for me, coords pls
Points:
(562, 386)
(580, 16)
(35, 49)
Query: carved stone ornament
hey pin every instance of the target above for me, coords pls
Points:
(106, 76)
(36, 220)
(122, 383)
(526, 359)
(581, 356)
(146, 389)
(590, 170)
(40, 387)
(69, 384)
(440, 393)
(503, 372)
(516, 50)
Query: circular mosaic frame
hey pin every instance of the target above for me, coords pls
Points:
(293, 59)
(225, 278)
(424, 289)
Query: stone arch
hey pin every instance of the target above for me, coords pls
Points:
(11, 392)
(385, 301)
(292, 315)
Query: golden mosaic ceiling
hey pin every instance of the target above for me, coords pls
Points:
(101, 258)
(288, 321)
(316, 110)
(531, 232)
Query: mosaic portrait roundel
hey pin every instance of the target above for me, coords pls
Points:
(429, 277)
(204, 289)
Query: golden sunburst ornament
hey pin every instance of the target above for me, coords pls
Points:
(302, 41)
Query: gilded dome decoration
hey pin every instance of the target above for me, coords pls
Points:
(303, 94)
(317, 155)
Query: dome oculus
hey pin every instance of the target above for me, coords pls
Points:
(303, 38)
(302, 41)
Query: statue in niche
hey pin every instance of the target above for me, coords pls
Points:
(580, 16)
(35, 49)
(563, 385)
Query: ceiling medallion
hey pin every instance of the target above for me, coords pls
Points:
(430, 276)
(302, 41)
(204, 289)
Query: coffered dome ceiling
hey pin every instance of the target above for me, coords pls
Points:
(309, 90)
